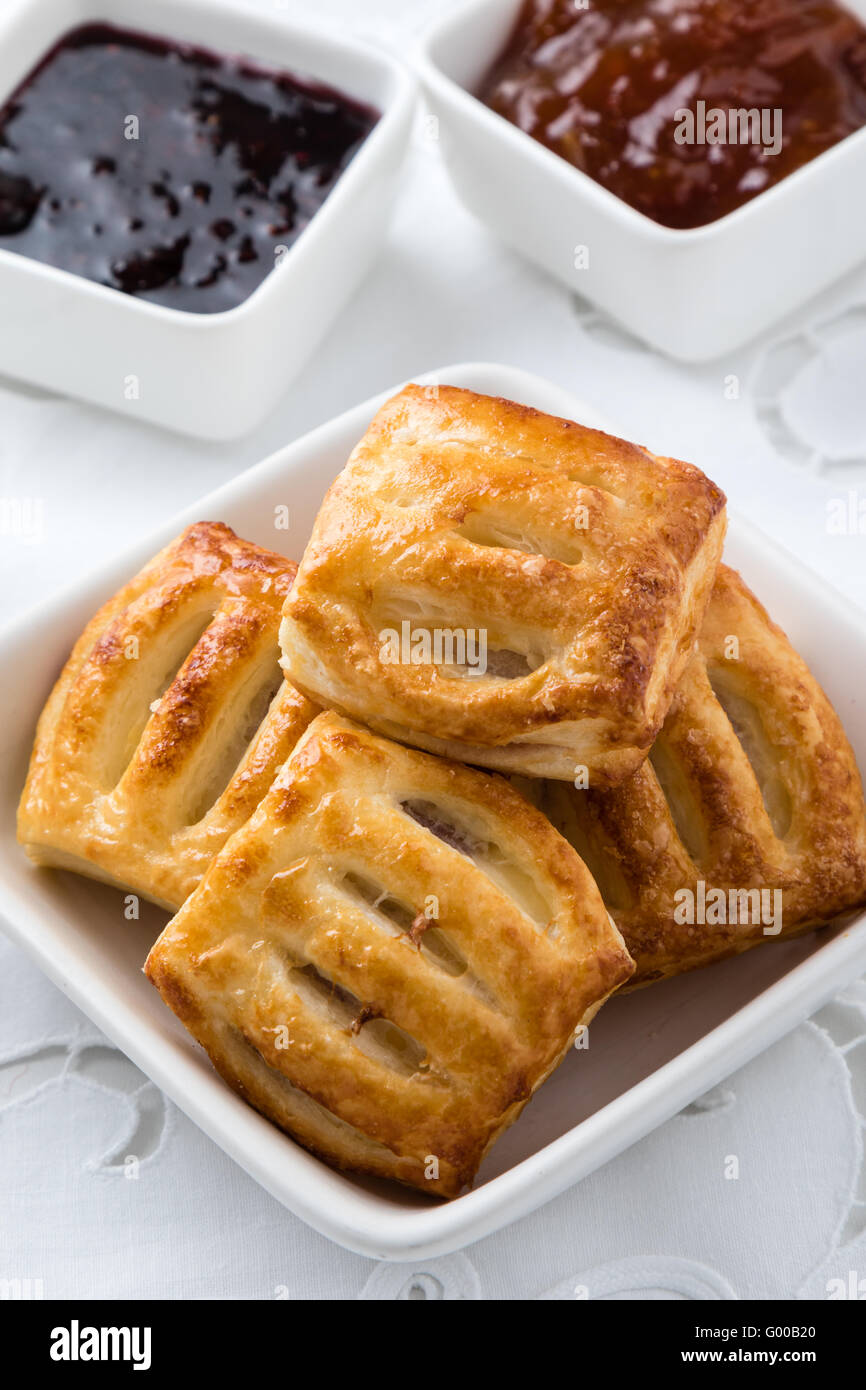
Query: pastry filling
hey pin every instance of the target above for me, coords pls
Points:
(430, 940)
(378, 1038)
(487, 856)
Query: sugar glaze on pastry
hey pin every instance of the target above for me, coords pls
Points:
(751, 784)
(390, 956)
(584, 560)
(168, 722)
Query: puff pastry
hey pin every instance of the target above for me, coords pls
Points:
(168, 722)
(581, 562)
(751, 785)
(390, 956)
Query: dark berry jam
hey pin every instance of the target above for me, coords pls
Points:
(164, 170)
(685, 109)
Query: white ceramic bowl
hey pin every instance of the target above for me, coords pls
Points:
(696, 294)
(211, 375)
(652, 1052)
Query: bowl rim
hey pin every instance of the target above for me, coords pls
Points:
(399, 102)
(574, 180)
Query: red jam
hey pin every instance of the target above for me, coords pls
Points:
(686, 109)
(164, 170)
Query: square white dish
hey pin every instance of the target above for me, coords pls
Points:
(214, 376)
(695, 294)
(651, 1053)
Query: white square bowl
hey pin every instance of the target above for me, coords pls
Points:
(652, 1052)
(214, 376)
(695, 293)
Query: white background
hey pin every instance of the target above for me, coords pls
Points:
(786, 449)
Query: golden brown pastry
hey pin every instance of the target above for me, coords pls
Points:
(746, 824)
(168, 722)
(390, 956)
(504, 587)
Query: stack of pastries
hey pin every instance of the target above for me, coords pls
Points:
(423, 802)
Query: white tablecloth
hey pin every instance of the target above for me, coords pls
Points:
(662, 1220)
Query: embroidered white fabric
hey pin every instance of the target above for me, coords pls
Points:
(756, 1189)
